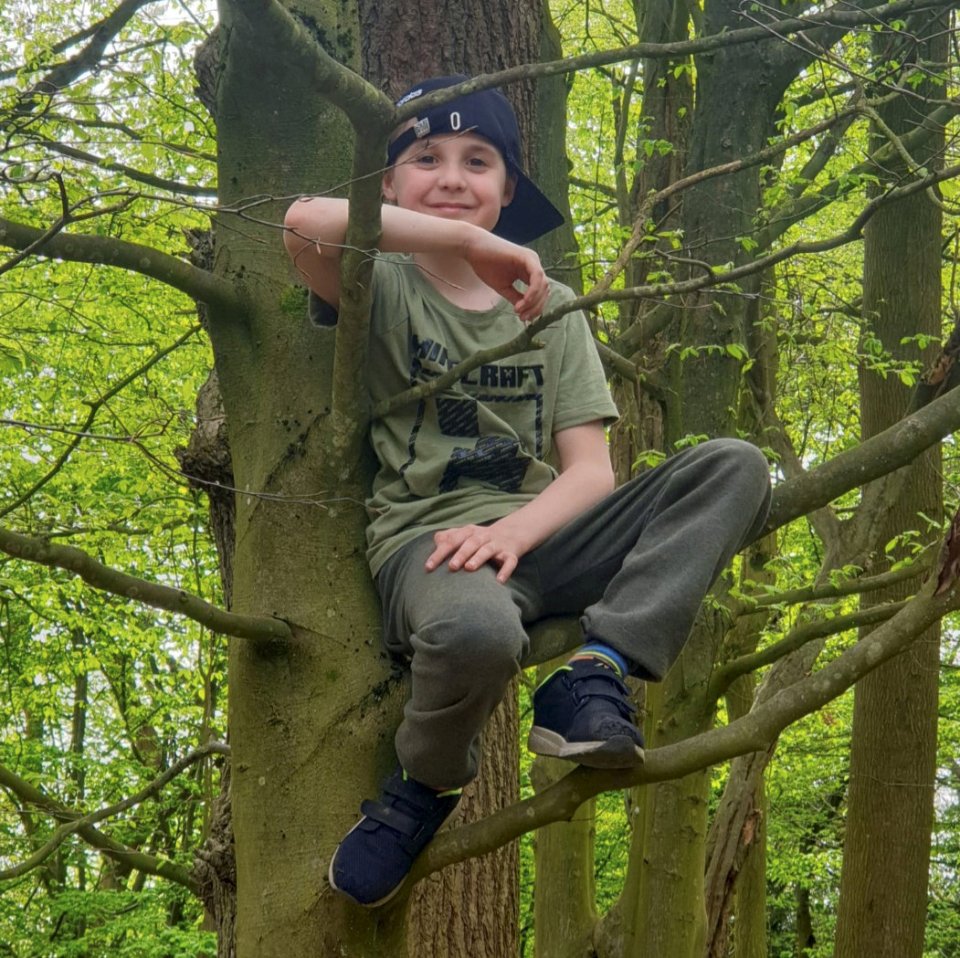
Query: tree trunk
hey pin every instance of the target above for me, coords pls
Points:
(883, 889)
(297, 708)
(735, 879)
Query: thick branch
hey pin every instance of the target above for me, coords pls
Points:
(366, 107)
(100, 576)
(350, 394)
(107, 251)
(877, 456)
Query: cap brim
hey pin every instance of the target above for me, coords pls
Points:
(530, 214)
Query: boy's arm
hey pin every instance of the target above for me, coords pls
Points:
(586, 476)
(315, 229)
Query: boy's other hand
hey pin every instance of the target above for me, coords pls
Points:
(470, 547)
(501, 264)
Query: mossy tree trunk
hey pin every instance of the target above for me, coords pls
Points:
(298, 709)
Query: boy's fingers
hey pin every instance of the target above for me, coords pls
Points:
(506, 568)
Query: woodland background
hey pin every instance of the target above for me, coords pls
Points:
(765, 226)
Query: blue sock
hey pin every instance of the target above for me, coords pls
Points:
(607, 655)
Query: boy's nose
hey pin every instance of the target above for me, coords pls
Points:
(451, 176)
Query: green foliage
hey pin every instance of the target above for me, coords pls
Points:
(100, 695)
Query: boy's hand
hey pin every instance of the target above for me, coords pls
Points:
(470, 547)
(500, 264)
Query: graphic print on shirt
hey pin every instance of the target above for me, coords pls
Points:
(494, 459)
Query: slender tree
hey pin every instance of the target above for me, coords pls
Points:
(893, 754)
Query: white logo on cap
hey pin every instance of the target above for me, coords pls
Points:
(421, 128)
(412, 95)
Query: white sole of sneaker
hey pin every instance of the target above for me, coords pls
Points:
(620, 751)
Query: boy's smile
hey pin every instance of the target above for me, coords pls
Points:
(455, 176)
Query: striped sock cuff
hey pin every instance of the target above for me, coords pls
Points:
(599, 650)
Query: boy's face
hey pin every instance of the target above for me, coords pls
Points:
(459, 176)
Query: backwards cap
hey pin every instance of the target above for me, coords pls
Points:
(487, 113)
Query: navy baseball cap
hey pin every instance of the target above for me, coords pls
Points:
(487, 113)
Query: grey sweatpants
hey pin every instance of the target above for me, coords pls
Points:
(635, 566)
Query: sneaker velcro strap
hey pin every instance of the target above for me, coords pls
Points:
(624, 707)
(401, 822)
(599, 686)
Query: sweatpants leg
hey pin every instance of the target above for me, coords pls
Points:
(463, 634)
(639, 563)
(636, 565)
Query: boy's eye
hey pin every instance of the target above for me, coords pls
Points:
(477, 162)
(425, 159)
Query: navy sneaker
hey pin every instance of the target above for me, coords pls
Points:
(582, 712)
(376, 855)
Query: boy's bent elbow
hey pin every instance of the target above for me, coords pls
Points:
(314, 219)
(296, 233)
(313, 232)
(602, 480)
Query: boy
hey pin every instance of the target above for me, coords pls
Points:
(472, 534)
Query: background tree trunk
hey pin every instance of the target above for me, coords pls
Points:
(738, 93)
(882, 910)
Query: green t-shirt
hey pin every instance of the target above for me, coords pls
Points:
(477, 451)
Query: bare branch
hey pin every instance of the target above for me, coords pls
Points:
(148, 864)
(258, 627)
(138, 176)
(725, 675)
(77, 823)
(838, 15)
(832, 589)
(95, 406)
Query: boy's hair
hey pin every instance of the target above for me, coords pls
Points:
(488, 114)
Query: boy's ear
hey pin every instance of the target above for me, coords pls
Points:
(509, 188)
(386, 188)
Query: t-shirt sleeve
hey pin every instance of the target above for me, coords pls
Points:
(583, 394)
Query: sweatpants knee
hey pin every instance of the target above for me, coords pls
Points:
(490, 647)
(738, 459)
